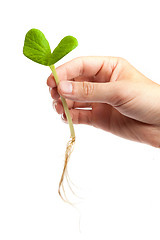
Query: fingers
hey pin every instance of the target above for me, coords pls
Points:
(84, 66)
(82, 94)
(58, 107)
(90, 67)
(51, 82)
(57, 104)
(54, 93)
(79, 116)
(83, 69)
(109, 92)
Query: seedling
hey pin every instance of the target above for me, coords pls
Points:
(37, 48)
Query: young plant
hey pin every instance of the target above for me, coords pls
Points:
(37, 48)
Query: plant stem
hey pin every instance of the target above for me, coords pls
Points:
(68, 116)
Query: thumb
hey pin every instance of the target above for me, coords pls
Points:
(109, 92)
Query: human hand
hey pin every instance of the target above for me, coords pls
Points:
(119, 99)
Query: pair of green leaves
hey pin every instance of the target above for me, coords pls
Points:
(37, 48)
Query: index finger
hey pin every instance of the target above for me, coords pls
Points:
(81, 66)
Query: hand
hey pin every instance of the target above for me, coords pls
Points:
(119, 99)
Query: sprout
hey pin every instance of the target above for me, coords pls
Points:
(37, 48)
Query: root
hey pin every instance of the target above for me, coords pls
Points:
(69, 150)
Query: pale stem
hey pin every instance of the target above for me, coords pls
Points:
(68, 116)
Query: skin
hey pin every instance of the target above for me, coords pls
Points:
(119, 99)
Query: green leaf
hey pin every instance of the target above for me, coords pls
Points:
(36, 48)
(66, 45)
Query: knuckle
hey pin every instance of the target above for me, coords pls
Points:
(118, 98)
(123, 63)
(122, 60)
(88, 89)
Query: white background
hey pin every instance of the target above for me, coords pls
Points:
(118, 180)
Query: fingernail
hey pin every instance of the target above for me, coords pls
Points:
(63, 117)
(66, 87)
(50, 89)
(54, 104)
